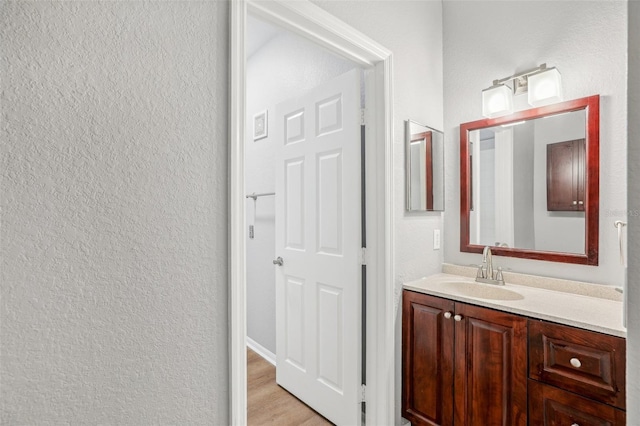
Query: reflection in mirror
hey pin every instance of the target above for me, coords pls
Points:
(529, 183)
(425, 167)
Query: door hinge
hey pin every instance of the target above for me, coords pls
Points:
(362, 115)
(363, 255)
(363, 389)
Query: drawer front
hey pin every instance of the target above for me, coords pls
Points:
(551, 406)
(581, 361)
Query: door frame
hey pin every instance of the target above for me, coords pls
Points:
(322, 28)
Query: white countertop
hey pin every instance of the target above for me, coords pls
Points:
(577, 310)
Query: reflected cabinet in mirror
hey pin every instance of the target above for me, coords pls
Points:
(425, 167)
(529, 183)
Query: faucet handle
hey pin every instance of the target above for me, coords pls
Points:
(480, 273)
(499, 276)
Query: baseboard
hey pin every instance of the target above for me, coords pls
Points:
(261, 350)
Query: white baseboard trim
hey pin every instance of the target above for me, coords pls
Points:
(261, 350)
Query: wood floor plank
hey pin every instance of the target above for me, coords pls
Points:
(270, 404)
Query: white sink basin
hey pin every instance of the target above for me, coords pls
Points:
(484, 291)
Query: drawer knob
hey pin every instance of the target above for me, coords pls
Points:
(576, 363)
(458, 317)
(447, 315)
(575, 424)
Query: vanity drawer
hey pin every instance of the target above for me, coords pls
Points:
(591, 364)
(551, 406)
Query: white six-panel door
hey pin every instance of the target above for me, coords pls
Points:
(318, 236)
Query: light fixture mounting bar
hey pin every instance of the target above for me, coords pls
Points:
(542, 67)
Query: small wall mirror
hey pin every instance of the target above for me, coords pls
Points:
(529, 183)
(425, 167)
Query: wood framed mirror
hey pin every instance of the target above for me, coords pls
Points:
(529, 183)
(424, 167)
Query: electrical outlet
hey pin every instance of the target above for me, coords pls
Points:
(436, 239)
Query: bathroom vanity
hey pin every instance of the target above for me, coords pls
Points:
(536, 351)
(515, 355)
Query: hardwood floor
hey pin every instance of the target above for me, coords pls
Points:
(269, 404)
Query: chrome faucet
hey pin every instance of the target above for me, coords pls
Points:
(487, 258)
(485, 271)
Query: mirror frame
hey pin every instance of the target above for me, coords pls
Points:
(591, 106)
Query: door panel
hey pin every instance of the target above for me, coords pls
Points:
(294, 201)
(318, 235)
(329, 205)
(295, 322)
(329, 115)
(330, 336)
(294, 127)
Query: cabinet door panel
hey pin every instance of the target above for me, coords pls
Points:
(549, 406)
(427, 361)
(490, 367)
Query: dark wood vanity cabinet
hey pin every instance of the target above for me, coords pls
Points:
(462, 364)
(467, 365)
(566, 176)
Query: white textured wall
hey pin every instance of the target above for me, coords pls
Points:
(285, 67)
(633, 232)
(412, 30)
(114, 213)
(587, 41)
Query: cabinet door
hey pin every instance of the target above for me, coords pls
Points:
(565, 176)
(549, 406)
(490, 367)
(427, 359)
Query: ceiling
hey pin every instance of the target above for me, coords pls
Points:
(260, 33)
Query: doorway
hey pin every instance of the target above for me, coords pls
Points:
(304, 198)
(312, 22)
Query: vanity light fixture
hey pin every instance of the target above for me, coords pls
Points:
(544, 87)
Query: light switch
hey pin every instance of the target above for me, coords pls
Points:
(436, 239)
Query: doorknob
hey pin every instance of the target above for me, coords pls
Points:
(278, 261)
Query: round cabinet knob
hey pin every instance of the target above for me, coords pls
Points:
(575, 362)
(574, 203)
(575, 424)
(458, 317)
(581, 202)
(447, 315)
